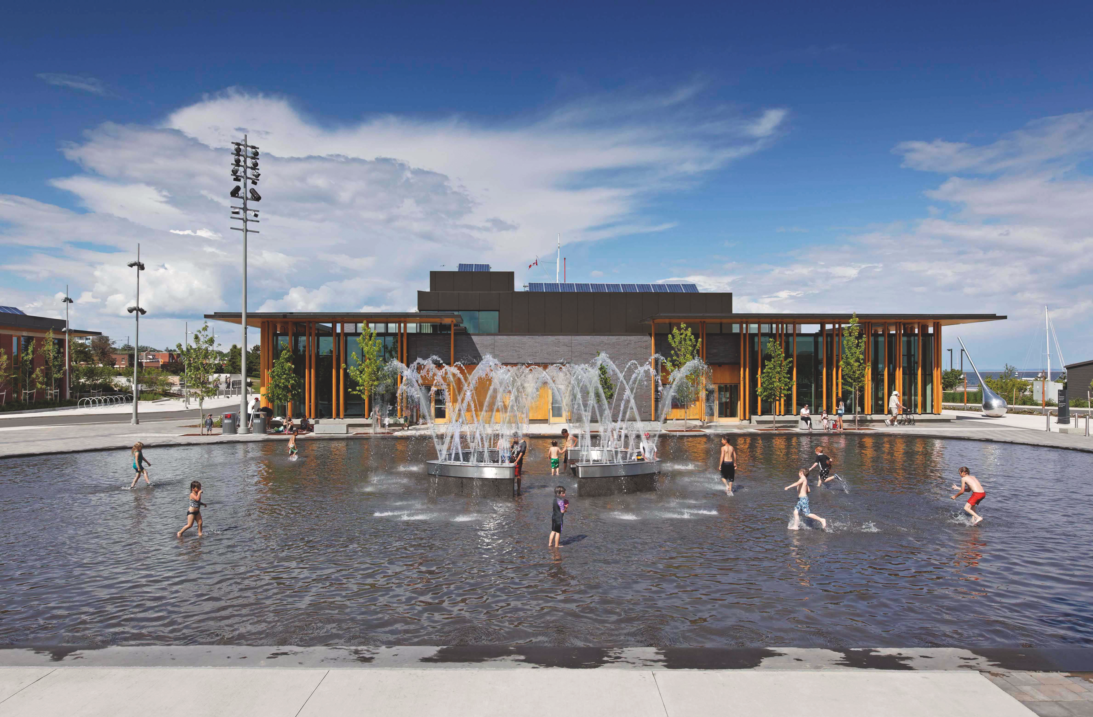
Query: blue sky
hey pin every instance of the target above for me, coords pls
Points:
(767, 150)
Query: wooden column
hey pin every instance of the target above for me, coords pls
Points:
(938, 358)
(292, 353)
(398, 355)
(867, 397)
(794, 369)
(333, 369)
(740, 376)
(341, 370)
(758, 368)
(884, 398)
(823, 365)
(451, 325)
(653, 364)
(918, 369)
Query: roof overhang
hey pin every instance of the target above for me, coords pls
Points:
(255, 318)
(944, 319)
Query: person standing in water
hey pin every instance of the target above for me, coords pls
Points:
(139, 461)
(193, 513)
(570, 442)
(557, 515)
(824, 461)
(802, 508)
(727, 464)
(968, 482)
(292, 449)
(518, 459)
(555, 457)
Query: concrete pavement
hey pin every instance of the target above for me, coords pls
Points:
(306, 692)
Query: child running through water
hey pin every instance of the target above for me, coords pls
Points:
(139, 461)
(728, 464)
(802, 507)
(193, 513)
(824, 461)
(968, 482)
(557, 514)
(555, 457)
(292, 449)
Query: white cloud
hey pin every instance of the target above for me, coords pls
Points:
(75, 82)
(357, 214)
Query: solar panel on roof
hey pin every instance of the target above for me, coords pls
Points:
(474, 267)
(675, 288)
(690, 288)
(535, 287)
(551, 287)
(660, 288)
(644, 288)
(617, 288)
(583, 288)
(569, 287)
(11, 310)
(599, 287)
(630, 288)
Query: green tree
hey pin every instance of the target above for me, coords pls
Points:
(852, 363)
(254, 361)
(283, 385)
(28, 377)
(54, 366)
(199, 364)
(776, 379)
(102, 351)
(606, 384)
(1008, 385)
(233, 362)
(154, 381)
(685, 348)
(370, 371)
(951, 379)
(5, 363)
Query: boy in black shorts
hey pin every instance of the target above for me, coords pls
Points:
(824, 462)
(560, 506)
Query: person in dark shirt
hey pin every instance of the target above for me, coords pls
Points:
(518, 459)
(560, 506)
(824, 462)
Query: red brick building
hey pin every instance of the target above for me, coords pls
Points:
(17, 331)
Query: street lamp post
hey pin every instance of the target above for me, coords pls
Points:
(68, 365)
(137, 311)
(245, 171)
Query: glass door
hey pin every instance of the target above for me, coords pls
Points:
(728, 400)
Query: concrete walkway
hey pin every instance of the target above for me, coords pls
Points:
(305, 692)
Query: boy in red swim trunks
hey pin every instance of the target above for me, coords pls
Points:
(968, 482)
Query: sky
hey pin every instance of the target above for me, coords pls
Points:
(870, 157)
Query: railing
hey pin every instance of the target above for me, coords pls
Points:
(102, 401)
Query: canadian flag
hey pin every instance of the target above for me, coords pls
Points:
(534, 263)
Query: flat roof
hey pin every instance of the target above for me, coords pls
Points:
(1080, 363)
(945, 319)
(358, 317)
(22, 323)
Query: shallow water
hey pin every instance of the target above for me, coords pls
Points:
(350, 545)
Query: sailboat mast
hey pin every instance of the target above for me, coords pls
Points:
(558, 261)
(1047, 343)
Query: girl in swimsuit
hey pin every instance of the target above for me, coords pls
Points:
(193, 513)
(139, 462)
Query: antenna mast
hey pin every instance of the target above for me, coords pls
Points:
(558, 261)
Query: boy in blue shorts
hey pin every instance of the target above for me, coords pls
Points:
(802, 507)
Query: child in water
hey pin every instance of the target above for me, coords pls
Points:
(802, 507)
(555, 457)
(193, 513)
(968, 482)
(824, 461)
(560, 506)
(139, 461)
(292, 449)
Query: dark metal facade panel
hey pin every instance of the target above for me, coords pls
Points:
(441, 280)
(1077, 380)
(536, 313)
(464, 281)
(617, 304)
(520, 312)
(502, 281)
(552, 320)
(489, 301)
(569, 313)
(468, 301)
(427, 301)
(722, 349)
(504, 315)
(586, 307)
(601, 323)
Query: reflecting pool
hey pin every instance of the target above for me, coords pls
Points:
(353, 545)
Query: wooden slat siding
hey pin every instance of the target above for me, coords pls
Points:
(740, 378)
(794, 369)
(938, 357)
(918, 369)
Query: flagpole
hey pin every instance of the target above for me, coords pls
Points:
(558, 261)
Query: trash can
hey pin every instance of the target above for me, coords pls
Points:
(259, 424)
(228, 426)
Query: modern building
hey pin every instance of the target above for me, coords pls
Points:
(467, 314)
(1079, 379)
(18, 332)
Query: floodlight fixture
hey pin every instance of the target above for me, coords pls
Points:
(255, 196)
(236, 191)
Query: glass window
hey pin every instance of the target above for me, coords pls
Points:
(556, 404)
(440, 404)
(480, 322)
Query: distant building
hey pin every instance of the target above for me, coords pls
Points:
(467, 314)
(148, 359)
(17, 332)
(1078, 377)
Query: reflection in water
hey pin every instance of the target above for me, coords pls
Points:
(355, 544)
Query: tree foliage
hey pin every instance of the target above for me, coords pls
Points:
(102, 350)
(1008, 385)
(370, 372)
(951, 378)
(685, 348)
(283, 385)
(852, 363)
(776, 377)
(606, 384)
(53, 367)
(200, 362)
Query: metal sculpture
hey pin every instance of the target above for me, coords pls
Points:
(993, 404)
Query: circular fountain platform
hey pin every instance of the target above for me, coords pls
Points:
(595, 479)
(482, 479)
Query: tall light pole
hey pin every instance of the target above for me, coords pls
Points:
(245, 171)
(68, 365)
(137, 311)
